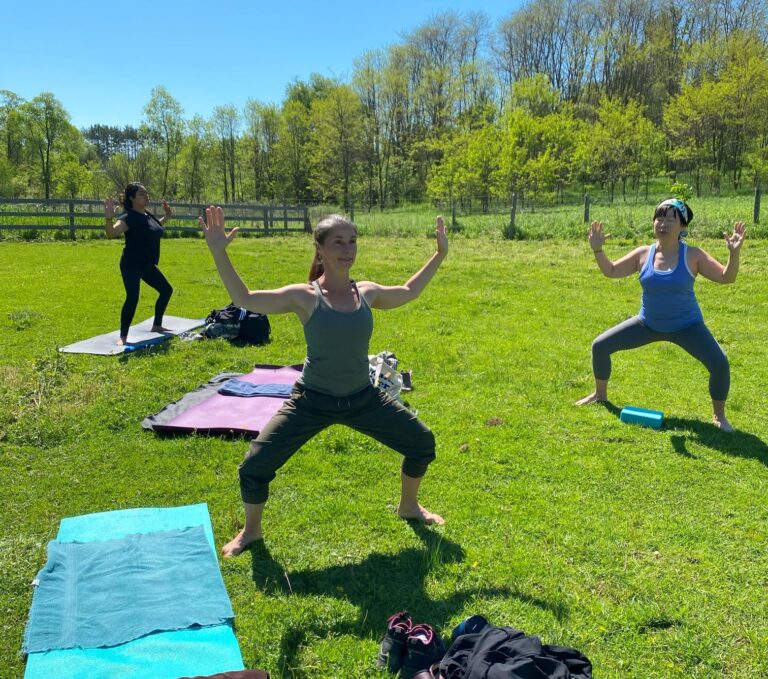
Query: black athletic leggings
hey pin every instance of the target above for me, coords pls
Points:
(133, 274)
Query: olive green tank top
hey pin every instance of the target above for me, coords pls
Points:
(337, 347)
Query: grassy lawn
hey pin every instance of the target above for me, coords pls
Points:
(645, 550)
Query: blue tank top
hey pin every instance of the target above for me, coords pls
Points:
(668, 302)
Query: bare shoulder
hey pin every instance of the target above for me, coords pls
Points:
(368, 289)
(302, 296)
(303, 293)
(640, 253)
(365, 286)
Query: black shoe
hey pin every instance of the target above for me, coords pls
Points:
(392, 650)
(424, 648)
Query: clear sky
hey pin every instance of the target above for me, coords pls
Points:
(101, 60)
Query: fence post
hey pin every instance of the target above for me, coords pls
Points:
(756, 213)
(72, 220)
(586, 208)
(352, 211)
(512, 215)
(307, 225)
(266, 219)
(453, 216)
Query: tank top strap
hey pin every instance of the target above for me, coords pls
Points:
(319, 297)
(360, 297)
(649, 259)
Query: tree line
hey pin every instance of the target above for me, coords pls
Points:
(562, 95)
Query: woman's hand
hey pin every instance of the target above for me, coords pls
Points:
(596, 236)
(735, 240)
(166, 209)
(213, 229)
(109, 208)
(442, 237)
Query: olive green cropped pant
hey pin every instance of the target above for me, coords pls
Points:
(369, 411)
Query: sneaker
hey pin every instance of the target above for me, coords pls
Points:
(424, 648)
(393, 647)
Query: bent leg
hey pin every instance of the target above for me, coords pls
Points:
(389, 422)
(289, 429)
(292, 426)
(131, 280)
(153, 277)
(699, 342)
(630, 334)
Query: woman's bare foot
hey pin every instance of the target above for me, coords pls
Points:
(594, 397)
(122, 341)
(722, 423)
(239, 543)
(420, 514)
(160, 328)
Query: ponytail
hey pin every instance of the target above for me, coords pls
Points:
(316, 269)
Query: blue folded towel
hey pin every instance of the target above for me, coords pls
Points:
(235, 387)
(100, 594)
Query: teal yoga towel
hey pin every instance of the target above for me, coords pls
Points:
(105, 593)
(164, 655)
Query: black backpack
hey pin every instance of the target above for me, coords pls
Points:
(232, 322)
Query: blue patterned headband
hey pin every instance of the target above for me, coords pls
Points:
(679, 205)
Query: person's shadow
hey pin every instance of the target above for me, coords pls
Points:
(737, 443)
(379, 586)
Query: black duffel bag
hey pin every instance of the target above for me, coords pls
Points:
(233, 322)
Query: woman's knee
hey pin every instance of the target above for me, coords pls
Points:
(420, 455)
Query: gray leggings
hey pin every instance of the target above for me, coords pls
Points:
(697, 340)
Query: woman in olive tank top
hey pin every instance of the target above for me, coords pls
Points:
(334, 387)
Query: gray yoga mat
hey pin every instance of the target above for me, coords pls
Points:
(139, 336)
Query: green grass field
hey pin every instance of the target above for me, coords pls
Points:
(644, 549)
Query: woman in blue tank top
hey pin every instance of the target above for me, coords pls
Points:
(334, 387)
(668, 310)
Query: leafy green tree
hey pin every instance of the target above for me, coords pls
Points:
(618, 147)
(45, 122)
(164, 118)
(291, 151)
(337, 144)
(11, 126)
(194, 159)
(226, 124)
(262, 130)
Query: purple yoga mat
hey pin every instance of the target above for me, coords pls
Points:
(219, 414)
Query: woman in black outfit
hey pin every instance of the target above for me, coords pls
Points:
(141, 254)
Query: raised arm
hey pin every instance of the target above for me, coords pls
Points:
(291, 298)
(112, 227)
(710, 268)
(391, 296)
(167, 213)
(625, 266)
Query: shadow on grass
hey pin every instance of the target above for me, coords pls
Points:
(379, 586)
(737, 443)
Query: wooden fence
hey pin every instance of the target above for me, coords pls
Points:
(31, 214)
